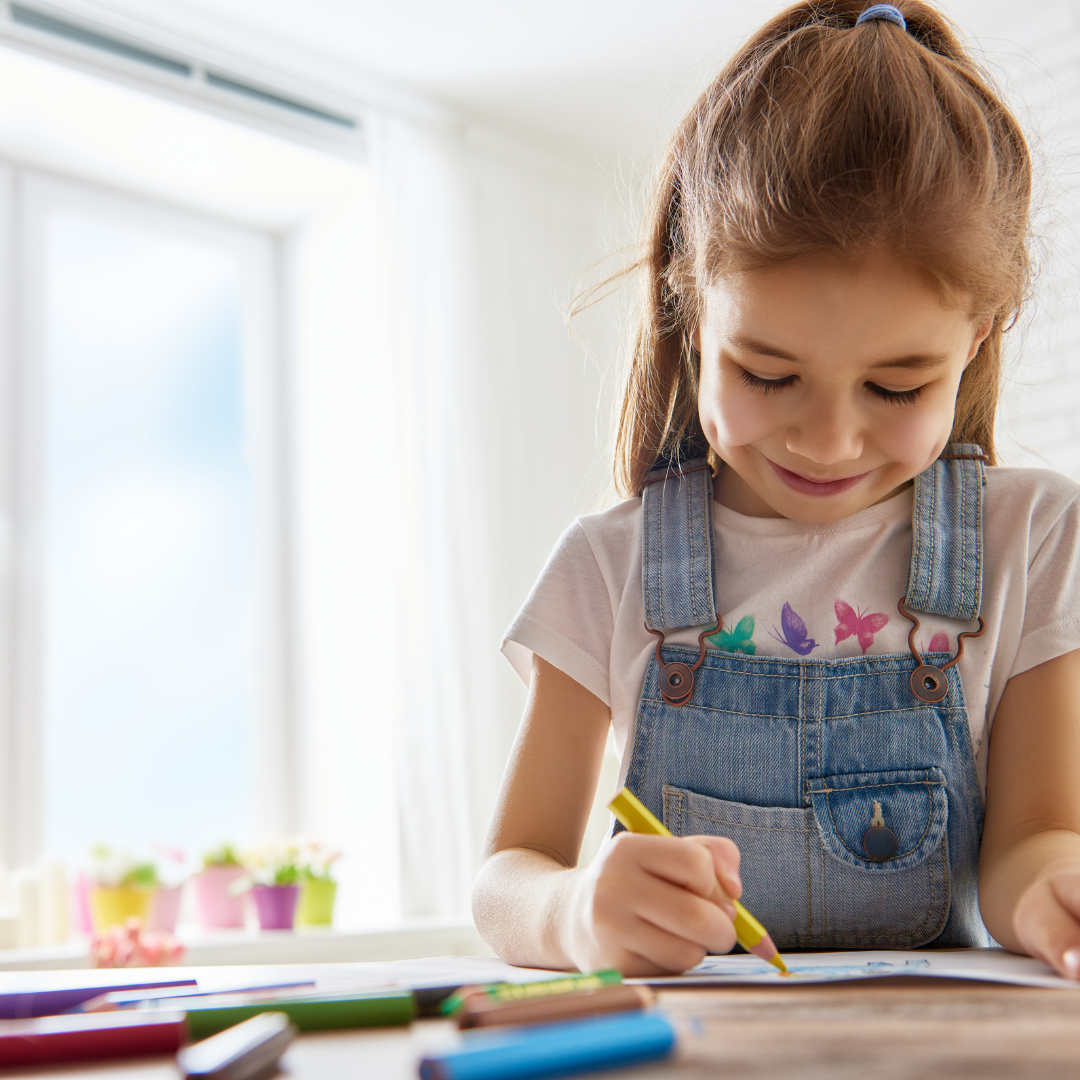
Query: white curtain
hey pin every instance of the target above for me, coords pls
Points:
(502, 441)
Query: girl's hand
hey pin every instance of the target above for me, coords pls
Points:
(1047, 917)
(654, 904)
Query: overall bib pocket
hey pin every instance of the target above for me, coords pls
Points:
(881, 821)
(805, 874)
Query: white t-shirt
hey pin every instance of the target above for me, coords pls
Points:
(840, 584)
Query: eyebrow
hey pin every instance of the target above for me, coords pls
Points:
(914, 362)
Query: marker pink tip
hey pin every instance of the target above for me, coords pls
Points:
(769, 953)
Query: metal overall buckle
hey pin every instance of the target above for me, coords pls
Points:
(676, 680)
(928, 683)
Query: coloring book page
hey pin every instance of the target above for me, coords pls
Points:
(986, 965)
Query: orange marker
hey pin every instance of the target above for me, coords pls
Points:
(751, 935)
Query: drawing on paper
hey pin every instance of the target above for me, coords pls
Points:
(740, 967)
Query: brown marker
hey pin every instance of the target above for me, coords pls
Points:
(480, 1010)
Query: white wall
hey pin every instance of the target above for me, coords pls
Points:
(1038, 63)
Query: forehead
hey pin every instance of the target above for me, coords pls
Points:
(824, 305)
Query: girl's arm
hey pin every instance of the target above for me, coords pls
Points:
(1029, 866)
(646, 904)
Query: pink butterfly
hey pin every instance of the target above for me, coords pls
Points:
(939, 643)
(863, 626)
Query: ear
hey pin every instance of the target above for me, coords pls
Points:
(982, 331)
(695, 337)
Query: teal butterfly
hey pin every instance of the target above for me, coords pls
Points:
(738, 640)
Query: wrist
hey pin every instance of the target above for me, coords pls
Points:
(576, 938)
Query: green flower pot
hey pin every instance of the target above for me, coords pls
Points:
(316, 906)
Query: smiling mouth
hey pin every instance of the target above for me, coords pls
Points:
(821, 488)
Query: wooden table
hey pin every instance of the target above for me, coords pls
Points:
(870, 1030)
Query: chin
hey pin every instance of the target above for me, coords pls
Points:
(818, 513)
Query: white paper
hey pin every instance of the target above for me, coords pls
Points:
(986, 965)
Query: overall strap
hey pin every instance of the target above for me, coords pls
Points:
(677, 546)
(947, 535)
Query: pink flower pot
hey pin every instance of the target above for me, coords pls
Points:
(164, 909)
(217, 909)
(80, 904)
(275, 905)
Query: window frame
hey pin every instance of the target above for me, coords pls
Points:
(26, 197)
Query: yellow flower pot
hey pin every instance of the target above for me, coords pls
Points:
(316, 904)
(114, 906)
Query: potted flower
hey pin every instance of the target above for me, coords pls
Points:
(165, 907)
(273, 880)
(318, 889)
(132, 946)
(218, 906)
(122, 887)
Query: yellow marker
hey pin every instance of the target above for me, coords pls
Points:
(752, 936)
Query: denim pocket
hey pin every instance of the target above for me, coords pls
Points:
(807, 895)
(911, 804)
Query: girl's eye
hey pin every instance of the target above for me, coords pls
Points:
(765, 386)
(897, 397)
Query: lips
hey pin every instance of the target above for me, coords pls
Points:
(820, 488)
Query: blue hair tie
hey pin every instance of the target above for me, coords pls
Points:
(882, 11)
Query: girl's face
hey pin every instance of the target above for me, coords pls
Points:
(825, 385)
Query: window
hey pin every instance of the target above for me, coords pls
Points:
(147, 344)
(193, 320)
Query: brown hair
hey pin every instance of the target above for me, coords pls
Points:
(823, 137)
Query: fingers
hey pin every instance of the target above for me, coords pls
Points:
(676, 859)
(1047, 921)
(726, 859)
(652, 951)
(656, 905)
(636, 946)
(681, 913)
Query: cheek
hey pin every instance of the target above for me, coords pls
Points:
(731, 415)
(914, 435)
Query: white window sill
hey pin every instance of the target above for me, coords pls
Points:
(412, 940)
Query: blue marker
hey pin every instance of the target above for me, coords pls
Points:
(574, 1046)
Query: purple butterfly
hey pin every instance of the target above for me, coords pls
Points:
(794, 632)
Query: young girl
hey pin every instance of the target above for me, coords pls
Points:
(836, 642)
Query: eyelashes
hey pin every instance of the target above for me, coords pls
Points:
(774, 386)
(764, 386)
(897, 397)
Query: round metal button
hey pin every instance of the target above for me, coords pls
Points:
(929, 683)
(676, 683)
(879, 843)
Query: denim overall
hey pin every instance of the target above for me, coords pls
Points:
(806, 764)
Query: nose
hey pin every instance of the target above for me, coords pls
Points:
(827, 432)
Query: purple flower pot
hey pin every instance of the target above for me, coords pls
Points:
(275, 905)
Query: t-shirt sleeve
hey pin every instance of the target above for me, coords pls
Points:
(1052, 610)
(568, 618)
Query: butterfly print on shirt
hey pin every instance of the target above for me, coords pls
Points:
(864, 627)
(794, 630)
(939, 643)
(738, 640)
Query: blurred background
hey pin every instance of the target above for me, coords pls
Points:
(291, 415)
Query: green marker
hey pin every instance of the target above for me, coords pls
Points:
(505, 991)
(207, 1016)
